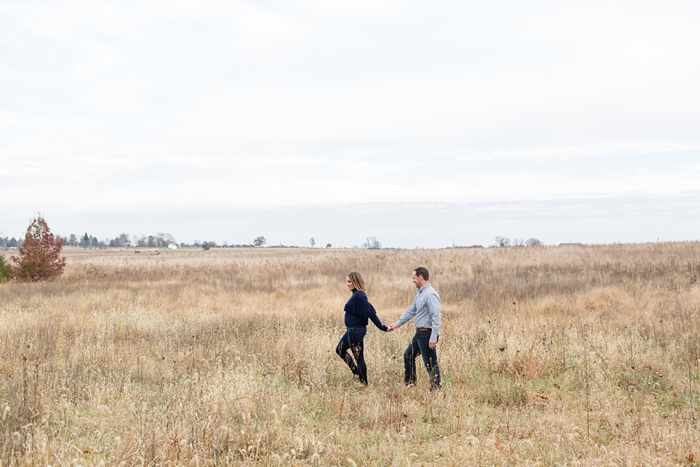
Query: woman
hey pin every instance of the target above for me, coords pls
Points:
(357, 311)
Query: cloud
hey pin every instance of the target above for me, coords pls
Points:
(535, 154)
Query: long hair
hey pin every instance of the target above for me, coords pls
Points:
(358, 282)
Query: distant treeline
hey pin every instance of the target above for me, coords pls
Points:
(124, 240)
(9, 242)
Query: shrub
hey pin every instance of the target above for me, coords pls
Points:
(4, 275)
(38, 255)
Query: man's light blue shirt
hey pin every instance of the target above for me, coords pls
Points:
(426, 310)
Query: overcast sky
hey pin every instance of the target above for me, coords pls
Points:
(421, 123)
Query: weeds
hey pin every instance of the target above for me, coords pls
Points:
(583, 355)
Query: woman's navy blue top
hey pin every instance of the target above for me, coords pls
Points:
(358, 310)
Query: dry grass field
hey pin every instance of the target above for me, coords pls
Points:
(585, 355)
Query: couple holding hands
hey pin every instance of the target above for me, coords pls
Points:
(425, 309)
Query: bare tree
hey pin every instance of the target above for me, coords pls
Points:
(259, 241)
(139, 241)
(372, 244)
(124, 239)
(163, 239)
(533, 242)
(312, 241)
(502, 241)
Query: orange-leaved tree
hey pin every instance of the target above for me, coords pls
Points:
(38, 258)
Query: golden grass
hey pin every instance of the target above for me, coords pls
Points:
(569, 356)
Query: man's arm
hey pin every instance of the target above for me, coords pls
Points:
(433, 304)
(408, 314)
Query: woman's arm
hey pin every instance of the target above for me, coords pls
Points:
(375, 319)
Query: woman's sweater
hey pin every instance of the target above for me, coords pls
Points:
(358, 310)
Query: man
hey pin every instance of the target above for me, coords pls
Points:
(426, 311)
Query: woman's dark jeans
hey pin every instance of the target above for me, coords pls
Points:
(419, 346)
(353, 340)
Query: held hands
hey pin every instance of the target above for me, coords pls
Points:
(390, 328)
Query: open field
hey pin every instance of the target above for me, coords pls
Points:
(569, 356)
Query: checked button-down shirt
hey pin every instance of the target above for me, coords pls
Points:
(425, 309)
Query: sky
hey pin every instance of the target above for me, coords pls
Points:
(423, 124)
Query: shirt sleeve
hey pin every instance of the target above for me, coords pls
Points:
(408, 314)
(375, 319)
(433, 304)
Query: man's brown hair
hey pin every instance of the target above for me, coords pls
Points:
(421, 271)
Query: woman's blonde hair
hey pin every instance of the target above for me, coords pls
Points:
(358, 282)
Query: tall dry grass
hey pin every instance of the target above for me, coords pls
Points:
(568, 356)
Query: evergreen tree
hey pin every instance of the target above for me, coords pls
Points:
(4, 274)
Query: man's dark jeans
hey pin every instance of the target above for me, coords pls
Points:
(354, 340)
(419, 346)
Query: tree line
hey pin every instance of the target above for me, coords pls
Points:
(506, 242)
(7, 242)
(124, 240)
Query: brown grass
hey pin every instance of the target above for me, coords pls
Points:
(569, 356)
